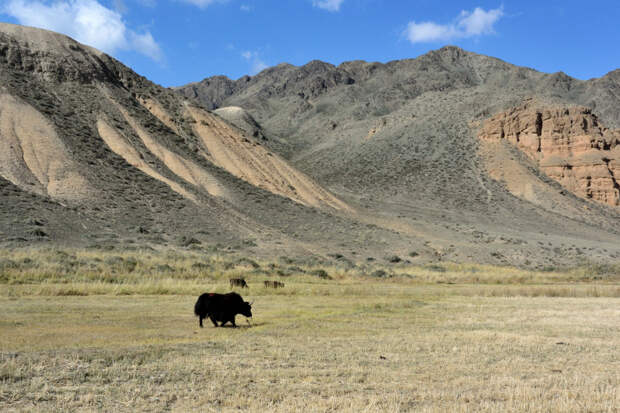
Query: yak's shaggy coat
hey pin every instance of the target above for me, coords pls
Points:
(221, 307)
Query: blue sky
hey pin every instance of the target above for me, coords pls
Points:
(174, 42)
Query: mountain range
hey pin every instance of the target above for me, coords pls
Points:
(450, 156)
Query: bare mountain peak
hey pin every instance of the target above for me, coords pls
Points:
(52, 56)
(41, 40)
(453, 51)
(613, 75)
(318, 65)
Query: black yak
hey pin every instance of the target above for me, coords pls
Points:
(274, 284)
(221, 307)
(238, 282)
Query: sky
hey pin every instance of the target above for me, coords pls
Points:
(174, 42)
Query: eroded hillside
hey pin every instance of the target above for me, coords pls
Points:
(567, 143)
(395, 140)
(140, 164)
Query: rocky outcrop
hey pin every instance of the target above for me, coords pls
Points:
(55, 58)
(213, 91)
(241, 119)
(50, 56)
(569, 145)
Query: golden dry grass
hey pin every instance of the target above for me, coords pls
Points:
(83, 272)
(349, 344)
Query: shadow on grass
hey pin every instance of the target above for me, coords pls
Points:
(240, 326)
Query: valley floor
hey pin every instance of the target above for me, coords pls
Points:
(337, 345)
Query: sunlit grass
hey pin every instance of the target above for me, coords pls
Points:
(109, 330)
(374, 347)
(170, 272)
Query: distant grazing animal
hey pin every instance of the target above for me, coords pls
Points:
(240, 282)
(274, 284)
(221, 307)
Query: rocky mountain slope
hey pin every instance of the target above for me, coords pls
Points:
(94, 154)
(399, 141)
(352, 163)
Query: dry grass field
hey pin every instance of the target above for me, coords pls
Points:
(94, 331)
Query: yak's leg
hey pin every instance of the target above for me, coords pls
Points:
(233, 322)
(200, 321)
(223, 322)
(213, 320)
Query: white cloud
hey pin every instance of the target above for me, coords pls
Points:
(479, 21)
(87, 21)
(429, 31)
(145, 44)
(257, 64)
(329, 5)
(467, 24)
(245, 8)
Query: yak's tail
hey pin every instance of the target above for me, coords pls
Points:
(201, 308)
(198, 307)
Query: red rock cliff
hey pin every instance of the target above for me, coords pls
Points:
(569, 145)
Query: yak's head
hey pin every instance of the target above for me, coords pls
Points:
(246, 309)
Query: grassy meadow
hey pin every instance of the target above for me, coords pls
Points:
(84, 330)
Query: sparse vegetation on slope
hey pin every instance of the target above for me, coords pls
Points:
(398, 142)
